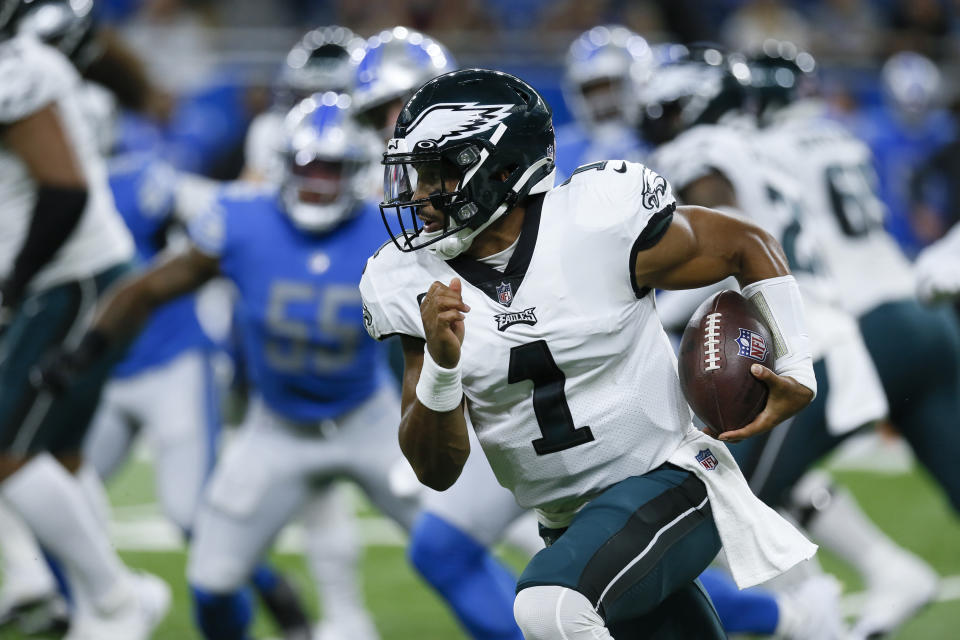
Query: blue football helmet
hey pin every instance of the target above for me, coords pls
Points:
(324, 59)
(604, 67)
(324, 163)
(395, 63)
(912, 83)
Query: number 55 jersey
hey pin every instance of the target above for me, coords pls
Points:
(298, 311)
(570, 380)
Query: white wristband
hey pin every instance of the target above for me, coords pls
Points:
(439, 389)
(778, 301)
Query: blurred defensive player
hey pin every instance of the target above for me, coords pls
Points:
(63, 244)
(323, 60)
(323, 399)
(603, 66)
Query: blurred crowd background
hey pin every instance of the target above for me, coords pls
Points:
(888, 67)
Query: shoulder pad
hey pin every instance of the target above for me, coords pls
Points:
(31, 77)
(390, 286)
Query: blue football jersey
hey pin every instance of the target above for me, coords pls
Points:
(143, 188)
(299, 314)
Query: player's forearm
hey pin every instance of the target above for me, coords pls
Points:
(435, 443)
(129, 306)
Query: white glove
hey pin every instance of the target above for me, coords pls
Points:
(938, 268)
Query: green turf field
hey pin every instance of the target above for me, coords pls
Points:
(907, 506)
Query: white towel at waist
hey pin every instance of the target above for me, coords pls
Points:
(758, 542)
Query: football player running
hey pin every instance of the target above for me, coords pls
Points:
(603, 65)
(451, 541)
(63, 244)
(323, 399)
(530, 308)
(711, 153)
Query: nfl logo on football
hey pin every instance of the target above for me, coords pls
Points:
(751, 345)
(707, 460)
(505, 293)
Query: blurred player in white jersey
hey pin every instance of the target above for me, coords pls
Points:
(65, 244)
(450, 543)
(603, 65)
(709, 150)
(876, 285)
(172, 356)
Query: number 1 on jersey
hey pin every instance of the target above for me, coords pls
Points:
(533, 361)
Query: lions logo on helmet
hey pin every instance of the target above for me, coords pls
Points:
(488, 135)
(324, 160)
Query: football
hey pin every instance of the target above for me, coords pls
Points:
(725, 336)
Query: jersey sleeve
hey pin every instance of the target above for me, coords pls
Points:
(208, 230)
(28, 80)
(620, 208)
(390, 299)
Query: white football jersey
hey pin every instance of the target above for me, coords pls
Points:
(33, 76)
(766, 192)
(842, 208)
(570, 380)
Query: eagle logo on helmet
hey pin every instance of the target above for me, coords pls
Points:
(455, 120)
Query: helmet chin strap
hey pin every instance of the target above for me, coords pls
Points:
(455, 244)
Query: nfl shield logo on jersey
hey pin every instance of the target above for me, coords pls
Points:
(707, 460)
(505, 293)
(751, 345)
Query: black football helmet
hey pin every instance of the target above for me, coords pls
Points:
(489, 134)
(780, 73)
(324, 59)
(64, 24)
(697, 86)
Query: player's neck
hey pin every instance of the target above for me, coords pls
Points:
(499, 235)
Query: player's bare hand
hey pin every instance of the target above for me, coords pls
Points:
(786, 398)
(442, 312)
